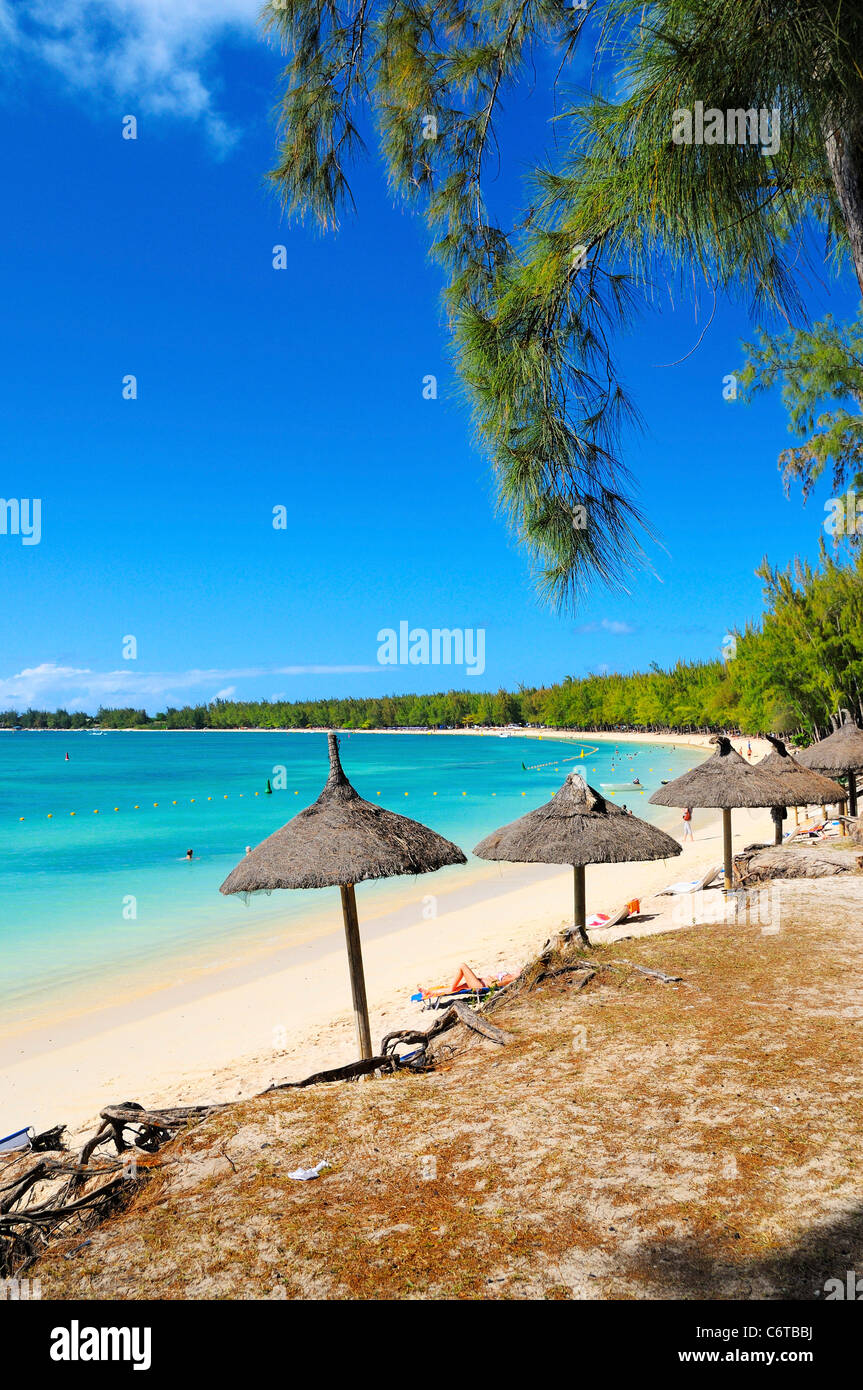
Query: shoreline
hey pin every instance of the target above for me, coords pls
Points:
(140, 979)
(760, 746)
(283, 1010)
(268, 1021)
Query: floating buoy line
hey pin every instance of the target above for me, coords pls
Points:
(198, 801)
(555, 762)
(204, 801)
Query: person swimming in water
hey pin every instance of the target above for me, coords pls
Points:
(190, 854)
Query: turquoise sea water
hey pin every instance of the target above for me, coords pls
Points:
(69, 884)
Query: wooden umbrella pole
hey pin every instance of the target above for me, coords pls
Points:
(355, 965)
(580, 910)
(852, 793)
(726, 842)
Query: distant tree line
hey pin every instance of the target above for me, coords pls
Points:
(789, 674)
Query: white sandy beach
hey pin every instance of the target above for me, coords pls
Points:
(284, 1014)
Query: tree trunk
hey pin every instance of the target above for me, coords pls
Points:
(845, 157)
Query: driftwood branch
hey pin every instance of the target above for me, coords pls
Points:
(655, 974)
(642, 970)
(477, 1024)
(365, 1067)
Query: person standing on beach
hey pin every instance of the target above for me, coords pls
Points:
(687, 824)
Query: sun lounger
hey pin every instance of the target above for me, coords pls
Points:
(814, 828)
(15, 1143)
(433, 999)
(694, 885)
(628, 910)
(598, 921)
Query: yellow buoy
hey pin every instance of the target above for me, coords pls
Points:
(71, 813)
(20, 817)
(50, 815)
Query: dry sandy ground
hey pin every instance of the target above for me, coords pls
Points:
(633, 1139)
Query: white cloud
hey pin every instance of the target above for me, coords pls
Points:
(80, 688)
(607, 625)
(153, 55)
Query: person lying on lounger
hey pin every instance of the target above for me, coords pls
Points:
(466, 979)
(466, 982)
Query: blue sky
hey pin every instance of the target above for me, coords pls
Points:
(299, 388)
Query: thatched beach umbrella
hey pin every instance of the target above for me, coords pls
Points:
(724, 782)
(578, 827)
(841, 754)
(339, 841)
(805, 787)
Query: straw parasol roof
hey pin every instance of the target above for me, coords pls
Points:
(724, 781)
(578, 826)
(841, 751)
(340, 839)
(805, 786)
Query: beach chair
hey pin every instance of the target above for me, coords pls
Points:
(17, 1142)
(814, 828)
(619, 916)
(599, 922)
(441, 999)
(695, 885)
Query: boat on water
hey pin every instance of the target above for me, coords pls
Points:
(623, 786)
